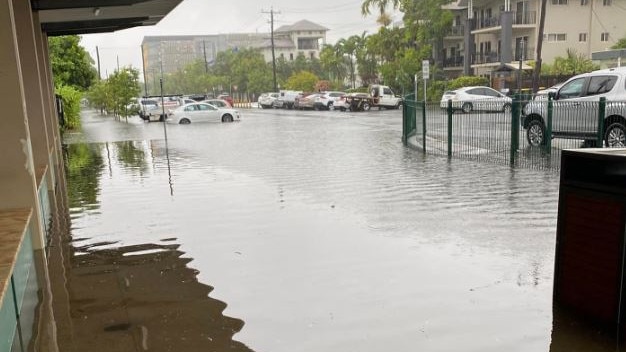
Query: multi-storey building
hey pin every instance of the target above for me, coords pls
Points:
(489, 33)
(169, 54)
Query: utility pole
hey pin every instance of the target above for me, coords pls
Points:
(542, 23)
(118, 63)
(206, 64)
(143, 66)
(272, 12)
(98, 58)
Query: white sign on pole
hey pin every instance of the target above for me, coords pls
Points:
(425, 69)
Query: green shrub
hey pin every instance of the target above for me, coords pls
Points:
(71, 106)
(467, 81)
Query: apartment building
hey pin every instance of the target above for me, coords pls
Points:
(487, 34)
(172, 53)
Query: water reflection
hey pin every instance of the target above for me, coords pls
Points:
(131, 292)
(325, 234)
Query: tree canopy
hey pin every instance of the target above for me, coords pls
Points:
(71, 64)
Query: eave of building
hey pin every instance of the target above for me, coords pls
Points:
(61, 17)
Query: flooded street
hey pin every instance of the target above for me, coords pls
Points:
(320, 231)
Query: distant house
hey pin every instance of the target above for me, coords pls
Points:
(303, 37)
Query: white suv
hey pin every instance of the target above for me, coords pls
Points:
(576, 110)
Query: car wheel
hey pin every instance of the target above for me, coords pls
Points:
(366, 106)
(615, 136)
(467, 107)
(184, 121)
(398, 105)
(227, 118)
(535, 133)
(507, 108)
(330, 105)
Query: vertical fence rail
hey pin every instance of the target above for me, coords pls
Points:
(548, 132)
(516, 110)
(490, 131)
(424, 126)
(601, 116)
(449, 128)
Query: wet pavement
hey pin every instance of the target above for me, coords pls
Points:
(307, 231)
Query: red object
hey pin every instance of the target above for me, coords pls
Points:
(228, 98)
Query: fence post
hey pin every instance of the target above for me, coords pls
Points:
(424, 126)
(548, 130)
(404, 120)
(515, 124)
(449, 110)
(601, 116)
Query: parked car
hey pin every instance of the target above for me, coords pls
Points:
(341, 104)
(228, 98)
(218, 103)
(469, 99)
(266, 100)
(326, 100)
(201, 112)
(544, 93)
(575, 111)
(306, 102)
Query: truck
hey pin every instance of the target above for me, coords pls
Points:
(378, 96)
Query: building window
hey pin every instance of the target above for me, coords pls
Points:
(559, 2)
(584, 2)
(582, 37)
(291, 56)
(606, 2)
(555, 37)
(604, 37)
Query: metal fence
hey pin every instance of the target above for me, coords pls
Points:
(524, 133)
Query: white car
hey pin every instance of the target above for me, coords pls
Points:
(201, 112)
(327, 100)
(468, 99)
(266, 100)
(576, 110)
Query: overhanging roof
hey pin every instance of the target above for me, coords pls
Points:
(62, 17)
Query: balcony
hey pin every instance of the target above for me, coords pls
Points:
(456, 31)
(453, 62)
(486, 58)
(524, 18)
(519, 19)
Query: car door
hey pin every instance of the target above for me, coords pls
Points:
(494, 100)
(568, 110)
(598, 86)
(209, 113)
(191, 112)
(477, 97)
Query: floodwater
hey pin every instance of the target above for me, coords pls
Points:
(311, 231)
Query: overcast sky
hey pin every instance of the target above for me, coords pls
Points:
(342, 17)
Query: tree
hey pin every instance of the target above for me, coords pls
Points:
(71, 64)
(621, 44)
(303, 80)
(123, 87)
(572, 63)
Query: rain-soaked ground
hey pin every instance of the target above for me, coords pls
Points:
(306, 231)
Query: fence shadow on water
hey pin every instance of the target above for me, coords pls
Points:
(521, 133)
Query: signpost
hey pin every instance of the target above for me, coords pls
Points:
(425, 76)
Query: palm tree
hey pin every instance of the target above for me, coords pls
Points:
(383, 18)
